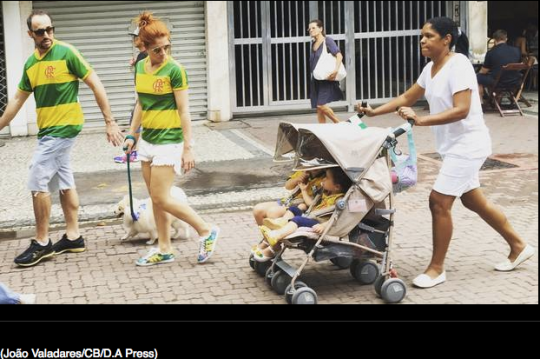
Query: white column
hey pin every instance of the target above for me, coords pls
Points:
(217, 60)
(18, 47)
(478, 28)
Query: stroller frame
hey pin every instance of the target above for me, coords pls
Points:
(283, 278)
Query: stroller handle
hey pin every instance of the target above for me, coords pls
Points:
(391, 138)
(403, 128)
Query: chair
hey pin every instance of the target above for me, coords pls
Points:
(500, 91)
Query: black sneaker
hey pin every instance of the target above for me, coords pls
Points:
(65, 245)
(34, 254)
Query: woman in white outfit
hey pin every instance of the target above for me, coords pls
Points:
(449, 84)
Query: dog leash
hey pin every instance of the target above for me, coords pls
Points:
(133, 214)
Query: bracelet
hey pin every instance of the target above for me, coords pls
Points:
(130, 137)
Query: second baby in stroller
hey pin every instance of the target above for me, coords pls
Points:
(304, 185)
(335, 185)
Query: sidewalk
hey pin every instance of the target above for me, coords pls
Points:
(234, 171)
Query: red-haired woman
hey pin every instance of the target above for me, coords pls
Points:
(165, 142)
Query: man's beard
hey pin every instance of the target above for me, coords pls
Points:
(45, 46)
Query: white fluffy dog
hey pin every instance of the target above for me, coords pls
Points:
(146, 222)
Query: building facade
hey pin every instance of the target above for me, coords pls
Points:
(242, 57)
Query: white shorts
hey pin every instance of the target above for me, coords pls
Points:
(162, 155)
(458, 175)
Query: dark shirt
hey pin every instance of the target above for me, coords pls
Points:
(141, 56)
(500, 56)
(462, 45)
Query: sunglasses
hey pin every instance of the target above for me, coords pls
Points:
(41, 32)
(157, 50)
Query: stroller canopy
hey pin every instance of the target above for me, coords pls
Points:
(345, 144)
(287, 138)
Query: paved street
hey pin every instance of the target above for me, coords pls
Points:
(234, 171)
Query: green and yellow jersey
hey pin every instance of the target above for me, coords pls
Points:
(314, 184)
(161, 123)
(54, 79)
(328, 200)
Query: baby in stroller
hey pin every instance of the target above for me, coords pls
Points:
(309, 180)
(335, 185)
(358, 230)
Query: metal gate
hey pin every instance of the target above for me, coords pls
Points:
(270, 45)
(3, 83)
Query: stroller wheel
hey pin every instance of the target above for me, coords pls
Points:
(262, 267)
(378, 284)
(304, 295)
(269, 274)
(251, 261)
(365, 272)
(289, 290)
(280, 281)
(393, 290)
(342, 262)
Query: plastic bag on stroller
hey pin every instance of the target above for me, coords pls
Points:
(405, 171)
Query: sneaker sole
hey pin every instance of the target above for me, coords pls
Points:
(210, 255)
(74, 250)
(37, 261)
(154, 263)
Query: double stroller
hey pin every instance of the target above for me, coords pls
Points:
(359, 235)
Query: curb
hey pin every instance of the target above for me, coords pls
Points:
(26, 231)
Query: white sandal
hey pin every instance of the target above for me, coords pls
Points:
(260, 257)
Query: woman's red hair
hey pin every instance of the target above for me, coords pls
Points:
(151, 28)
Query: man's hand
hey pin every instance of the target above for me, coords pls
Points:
(114, 135)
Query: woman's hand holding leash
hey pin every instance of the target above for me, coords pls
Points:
(129, 143)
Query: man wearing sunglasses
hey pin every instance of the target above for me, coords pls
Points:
(52, 73)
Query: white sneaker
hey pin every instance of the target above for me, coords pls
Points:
(27, 298)
(507, 266)
(425, 281)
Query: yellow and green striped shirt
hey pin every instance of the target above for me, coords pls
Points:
(328, 200)
(54, 80)
(161, 123)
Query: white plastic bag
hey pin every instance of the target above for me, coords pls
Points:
(326, 65)
(405, 169)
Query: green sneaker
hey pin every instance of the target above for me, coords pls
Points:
(155, 257)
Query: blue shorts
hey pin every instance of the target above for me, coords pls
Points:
(295, 210)
(304, 221)
(51, 169)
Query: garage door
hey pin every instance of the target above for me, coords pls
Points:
(99, 29)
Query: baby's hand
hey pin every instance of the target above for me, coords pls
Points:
(318, 228)
(302, 186)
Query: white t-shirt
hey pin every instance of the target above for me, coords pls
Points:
(469, 137)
